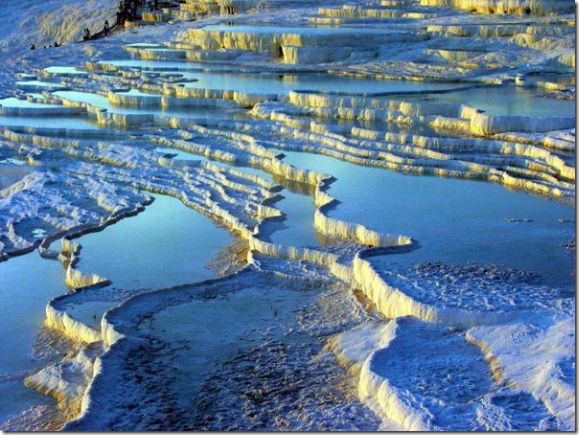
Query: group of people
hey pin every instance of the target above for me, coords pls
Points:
(56, 44)
(127, 11)
(106, 29)
(154, 5)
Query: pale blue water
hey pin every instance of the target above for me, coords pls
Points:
(509, 100)
(103, 102)
(15, 397)
(27, 283)
(282, 83)
(455, 221)
(52, 122)
(166, 245)
(39, 84)
(89, 313)
(143, 45)
(302, 30)
(228, 77)
(65, 70)
(16, 102)
(497, 100)
(298, 227)
(158, 64)
(36, 95)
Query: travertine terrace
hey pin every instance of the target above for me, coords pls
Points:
(461, 90)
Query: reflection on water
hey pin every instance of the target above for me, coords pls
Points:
(455, 221)
(302, 30)
(168, 244)
(27, 283)
(165, 245)
(506, 100)
(39, 84)
(53, 122)
(65, 70)
(16, 102)
(297, 229)
(280, 83)
(156, 64)
(103, 103)
(90, 312)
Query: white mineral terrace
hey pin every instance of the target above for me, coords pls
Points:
(383, 189)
